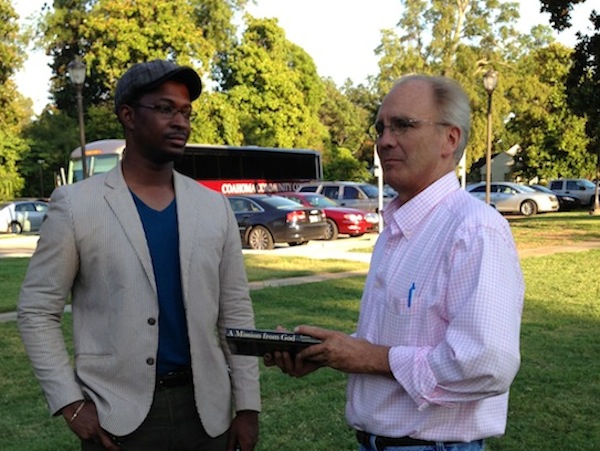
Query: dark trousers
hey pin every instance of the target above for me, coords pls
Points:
(172, 424)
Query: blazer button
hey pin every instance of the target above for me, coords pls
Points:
(150, 361)
(151, 321)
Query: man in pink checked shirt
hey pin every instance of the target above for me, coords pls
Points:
(437, 343)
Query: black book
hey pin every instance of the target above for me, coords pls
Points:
(260, 342)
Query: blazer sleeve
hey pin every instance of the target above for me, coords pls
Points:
(236, 311)
(45, 290)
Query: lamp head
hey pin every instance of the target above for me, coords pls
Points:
(490, 80)
(76, 70)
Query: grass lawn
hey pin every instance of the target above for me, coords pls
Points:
(259, 267)
(553, 401)
(554, 229)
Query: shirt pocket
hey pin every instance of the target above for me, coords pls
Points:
(402, 322)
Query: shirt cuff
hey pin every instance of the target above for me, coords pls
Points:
(410, 368)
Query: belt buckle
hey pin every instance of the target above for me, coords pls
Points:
(174, 379)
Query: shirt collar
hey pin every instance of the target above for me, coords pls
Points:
(402, 219)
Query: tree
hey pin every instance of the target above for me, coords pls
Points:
(432, 33)
(215, 19)
(48, 145)
(583, 83)
(347, 124)
(560, 12)
(111, 36)
(11, 149)
(553, 140)
(14, 111)
(275, 87)
(218, 122)
(460, 39)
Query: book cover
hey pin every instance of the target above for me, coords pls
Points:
(256, 342)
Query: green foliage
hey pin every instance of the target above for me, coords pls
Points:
(553, 140)
(51, 137)
(11, 149)
(14, 110)
(583, 86)
(101, 123)
(11, 43)
(218, 120)
(275, 86)
(459, 39)
(340, 164)
(265, 90)
(111, 36)
(560, 12)
(347, 123)
(462, 39)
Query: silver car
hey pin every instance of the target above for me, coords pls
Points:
(508, 197)
(362, 196)
(22, 215)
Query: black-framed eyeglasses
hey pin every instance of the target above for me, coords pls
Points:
(399, 126)
(169, 111)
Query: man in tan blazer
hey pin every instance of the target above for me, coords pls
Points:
(153, 264)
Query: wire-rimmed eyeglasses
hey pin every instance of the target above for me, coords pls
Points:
(399, 125)
(169, 111)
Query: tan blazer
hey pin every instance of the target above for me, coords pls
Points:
(92, 246)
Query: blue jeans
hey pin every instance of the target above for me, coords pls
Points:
(477, 445)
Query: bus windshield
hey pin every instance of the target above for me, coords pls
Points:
(97, 164)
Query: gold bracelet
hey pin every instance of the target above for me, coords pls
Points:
(79, 407)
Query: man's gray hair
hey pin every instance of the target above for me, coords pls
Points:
(452, 102)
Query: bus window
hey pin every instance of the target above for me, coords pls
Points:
(96, 165)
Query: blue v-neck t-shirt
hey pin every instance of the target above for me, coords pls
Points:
(162, 236)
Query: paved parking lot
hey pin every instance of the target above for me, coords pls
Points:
(24, 245)
(18, 245)
(342, 248)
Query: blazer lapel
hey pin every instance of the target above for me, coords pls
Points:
(187, 217)
(121, 202)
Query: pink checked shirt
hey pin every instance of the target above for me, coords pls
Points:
(445, 291)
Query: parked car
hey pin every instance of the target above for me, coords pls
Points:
(362, 196)
(265, 219)
(508, 197)
(22, 215)
(347, 221)
(582, 189)
(565, 202)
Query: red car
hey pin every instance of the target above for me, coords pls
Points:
(349, 221)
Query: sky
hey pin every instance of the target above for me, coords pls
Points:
(340, 35)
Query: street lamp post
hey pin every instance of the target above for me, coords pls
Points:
(41, 163)
(76, 70)
(490, 80)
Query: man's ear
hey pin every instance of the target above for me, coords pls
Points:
(452, 138)
(126, 115)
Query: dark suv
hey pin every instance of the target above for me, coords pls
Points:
(362, 196)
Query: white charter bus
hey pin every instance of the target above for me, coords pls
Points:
(227, 169)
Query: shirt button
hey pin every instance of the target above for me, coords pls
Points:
(150, 361)
(151, 321)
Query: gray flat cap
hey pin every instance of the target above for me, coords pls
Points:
(146, 77)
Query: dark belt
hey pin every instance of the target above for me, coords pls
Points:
(174, 379)
(381, 443)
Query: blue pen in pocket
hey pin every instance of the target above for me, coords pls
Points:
(411, 293)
